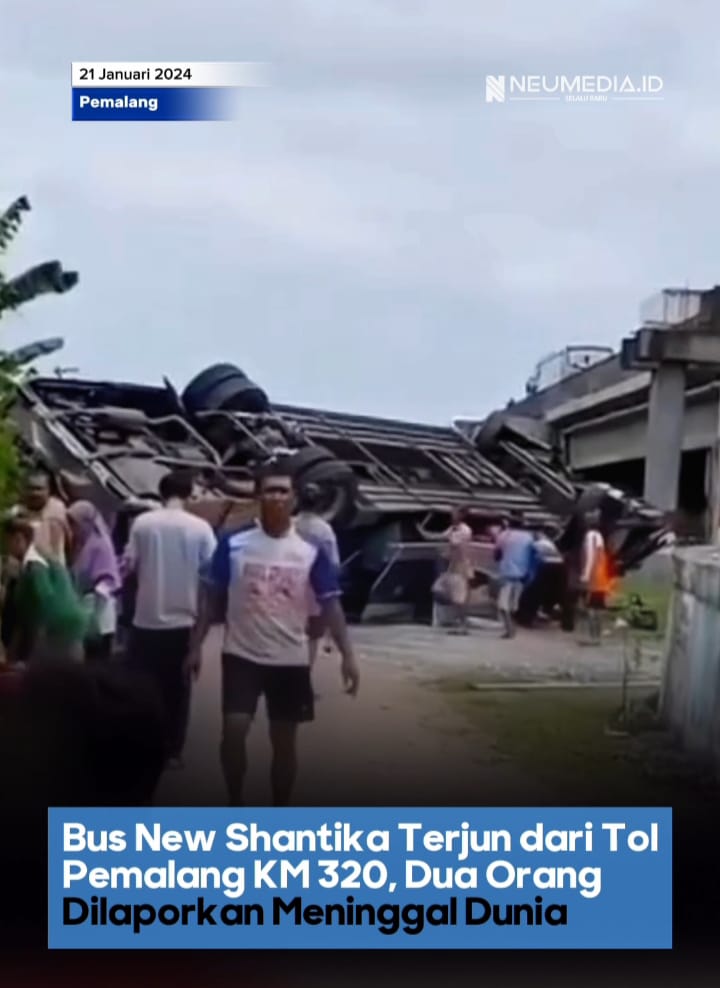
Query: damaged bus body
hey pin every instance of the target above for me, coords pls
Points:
(389, 487)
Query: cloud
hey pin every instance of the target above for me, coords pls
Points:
(369, 234)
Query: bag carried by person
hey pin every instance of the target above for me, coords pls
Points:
(101, 612)
(449, 590)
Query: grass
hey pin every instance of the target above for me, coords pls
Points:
(558, 738)
(655, 594)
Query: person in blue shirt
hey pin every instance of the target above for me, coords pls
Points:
(515, 554)
(266, 579)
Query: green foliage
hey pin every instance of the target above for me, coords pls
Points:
(10, 222)
(42, 279)
(14, 292)
(10, 464)
(10, 468)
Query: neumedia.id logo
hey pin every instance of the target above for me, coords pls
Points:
(572, 89)
(494, 88)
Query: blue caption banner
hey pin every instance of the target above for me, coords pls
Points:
(152, 104)
(360, 878)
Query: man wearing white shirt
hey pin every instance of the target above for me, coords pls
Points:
(265, 578)
(594, 577)
(167, 550)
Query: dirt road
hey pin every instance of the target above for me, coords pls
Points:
(400, 741)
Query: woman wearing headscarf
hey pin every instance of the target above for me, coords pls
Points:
(96, 572)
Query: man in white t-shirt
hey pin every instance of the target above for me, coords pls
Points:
(265, 578)
(166, 552)
(594, 577)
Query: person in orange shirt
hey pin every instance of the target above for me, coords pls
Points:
(595, 579)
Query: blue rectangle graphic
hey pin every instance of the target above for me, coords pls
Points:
(153, 104)
(360, 878)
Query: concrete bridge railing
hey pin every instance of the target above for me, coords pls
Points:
(690, 701)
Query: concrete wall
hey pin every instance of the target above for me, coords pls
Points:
(690, 701)
(658, 571)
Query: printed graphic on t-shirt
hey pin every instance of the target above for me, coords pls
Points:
(270, 584)
(275, 590)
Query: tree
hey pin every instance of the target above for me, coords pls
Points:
(42, 279)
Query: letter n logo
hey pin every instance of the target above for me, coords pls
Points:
(494, 88)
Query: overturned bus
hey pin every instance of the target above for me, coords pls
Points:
(389, 488)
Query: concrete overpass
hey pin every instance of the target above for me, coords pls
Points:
(655, 431)
(621, 434)
(607, 438)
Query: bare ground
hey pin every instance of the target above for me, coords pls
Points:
(401, 740)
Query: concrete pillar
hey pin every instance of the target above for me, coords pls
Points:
(665, 436)
(712, 486)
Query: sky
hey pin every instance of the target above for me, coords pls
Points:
(369, 235)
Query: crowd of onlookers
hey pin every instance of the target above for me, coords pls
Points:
(518, 556)
(77, 728)
(60, 579)
(83, 723)
(274, 586)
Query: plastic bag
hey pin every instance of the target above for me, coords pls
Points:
(450, 590)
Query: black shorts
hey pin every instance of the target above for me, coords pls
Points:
(287, 690)
(596, 601)
(159, 649)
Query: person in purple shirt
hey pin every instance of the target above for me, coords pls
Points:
(96, 573)
(266, 578)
